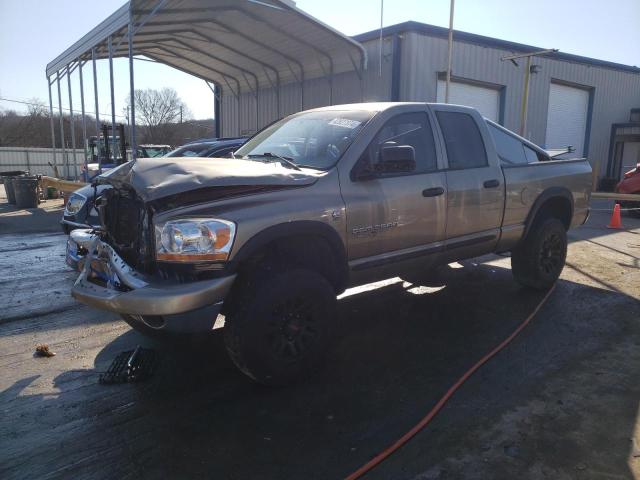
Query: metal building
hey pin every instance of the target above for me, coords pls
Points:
(573, 100)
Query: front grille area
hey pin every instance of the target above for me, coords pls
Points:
(127, 227)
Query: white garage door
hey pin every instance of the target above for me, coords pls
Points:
(567, 118)
(485, 100)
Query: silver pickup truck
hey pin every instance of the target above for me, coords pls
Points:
(312, 204)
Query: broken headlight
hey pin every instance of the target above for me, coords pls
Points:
(74, 204)
(194, 239)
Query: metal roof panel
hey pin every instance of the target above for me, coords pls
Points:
(246, 42)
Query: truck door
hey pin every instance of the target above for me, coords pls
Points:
(475, 183)
(395, 215)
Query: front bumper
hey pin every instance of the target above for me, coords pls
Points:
(73, 224)
(129, 292)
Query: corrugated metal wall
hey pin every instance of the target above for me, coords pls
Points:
(614, 92)
(36, 160)
(347, 88)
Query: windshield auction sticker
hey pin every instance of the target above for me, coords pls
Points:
(344, 122)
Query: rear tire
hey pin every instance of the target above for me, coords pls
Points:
(279, 328)
(538, 261)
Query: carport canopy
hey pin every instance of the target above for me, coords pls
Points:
(242, 45)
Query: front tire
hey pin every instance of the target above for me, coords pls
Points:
(538, 261)
(279, 328)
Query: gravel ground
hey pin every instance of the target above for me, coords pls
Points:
(560, 402)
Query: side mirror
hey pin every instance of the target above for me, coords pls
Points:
(396, 159)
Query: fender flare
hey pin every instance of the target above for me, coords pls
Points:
(298, 228)
(548, 194)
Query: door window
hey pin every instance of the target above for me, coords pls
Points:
(411, 129)
(465, 148)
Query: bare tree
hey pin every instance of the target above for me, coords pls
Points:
(33, 129)
(37, 108)
(157, 110)
(25, 130)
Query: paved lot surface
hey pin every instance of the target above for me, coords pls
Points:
(561, 402)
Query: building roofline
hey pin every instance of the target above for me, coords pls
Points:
(441, 32)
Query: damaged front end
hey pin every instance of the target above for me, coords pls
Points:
(126, 226)
(118, 269)
(108, 282)
(143, 262)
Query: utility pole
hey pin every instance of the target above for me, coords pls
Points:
(180, 113)
(380, 40)
(450, 52)
(527, 77)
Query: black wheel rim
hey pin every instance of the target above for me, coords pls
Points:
(551, 254)
(293, 328)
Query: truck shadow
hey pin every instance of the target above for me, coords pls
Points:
(45, 218)
(398, 348)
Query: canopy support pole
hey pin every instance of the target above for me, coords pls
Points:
(217, 107)
(132, 101)
(95, 94)
(302, 80)
(331, 85)
(64, 151)
(278, 96)
(113, 106)
(84, 121)
(72, 126)
(51, 121)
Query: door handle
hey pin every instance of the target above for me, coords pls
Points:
(491, 183)
(433, 192)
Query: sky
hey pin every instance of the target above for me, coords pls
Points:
(33, 32)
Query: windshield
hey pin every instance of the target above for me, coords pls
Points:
(312, 139)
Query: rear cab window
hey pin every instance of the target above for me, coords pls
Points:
(463, 140)
(511, 150)
(530, 154)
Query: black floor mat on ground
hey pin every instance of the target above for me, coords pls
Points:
(131, 366)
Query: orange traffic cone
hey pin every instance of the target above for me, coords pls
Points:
(616, 221)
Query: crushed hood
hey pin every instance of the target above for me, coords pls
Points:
(155, 178)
